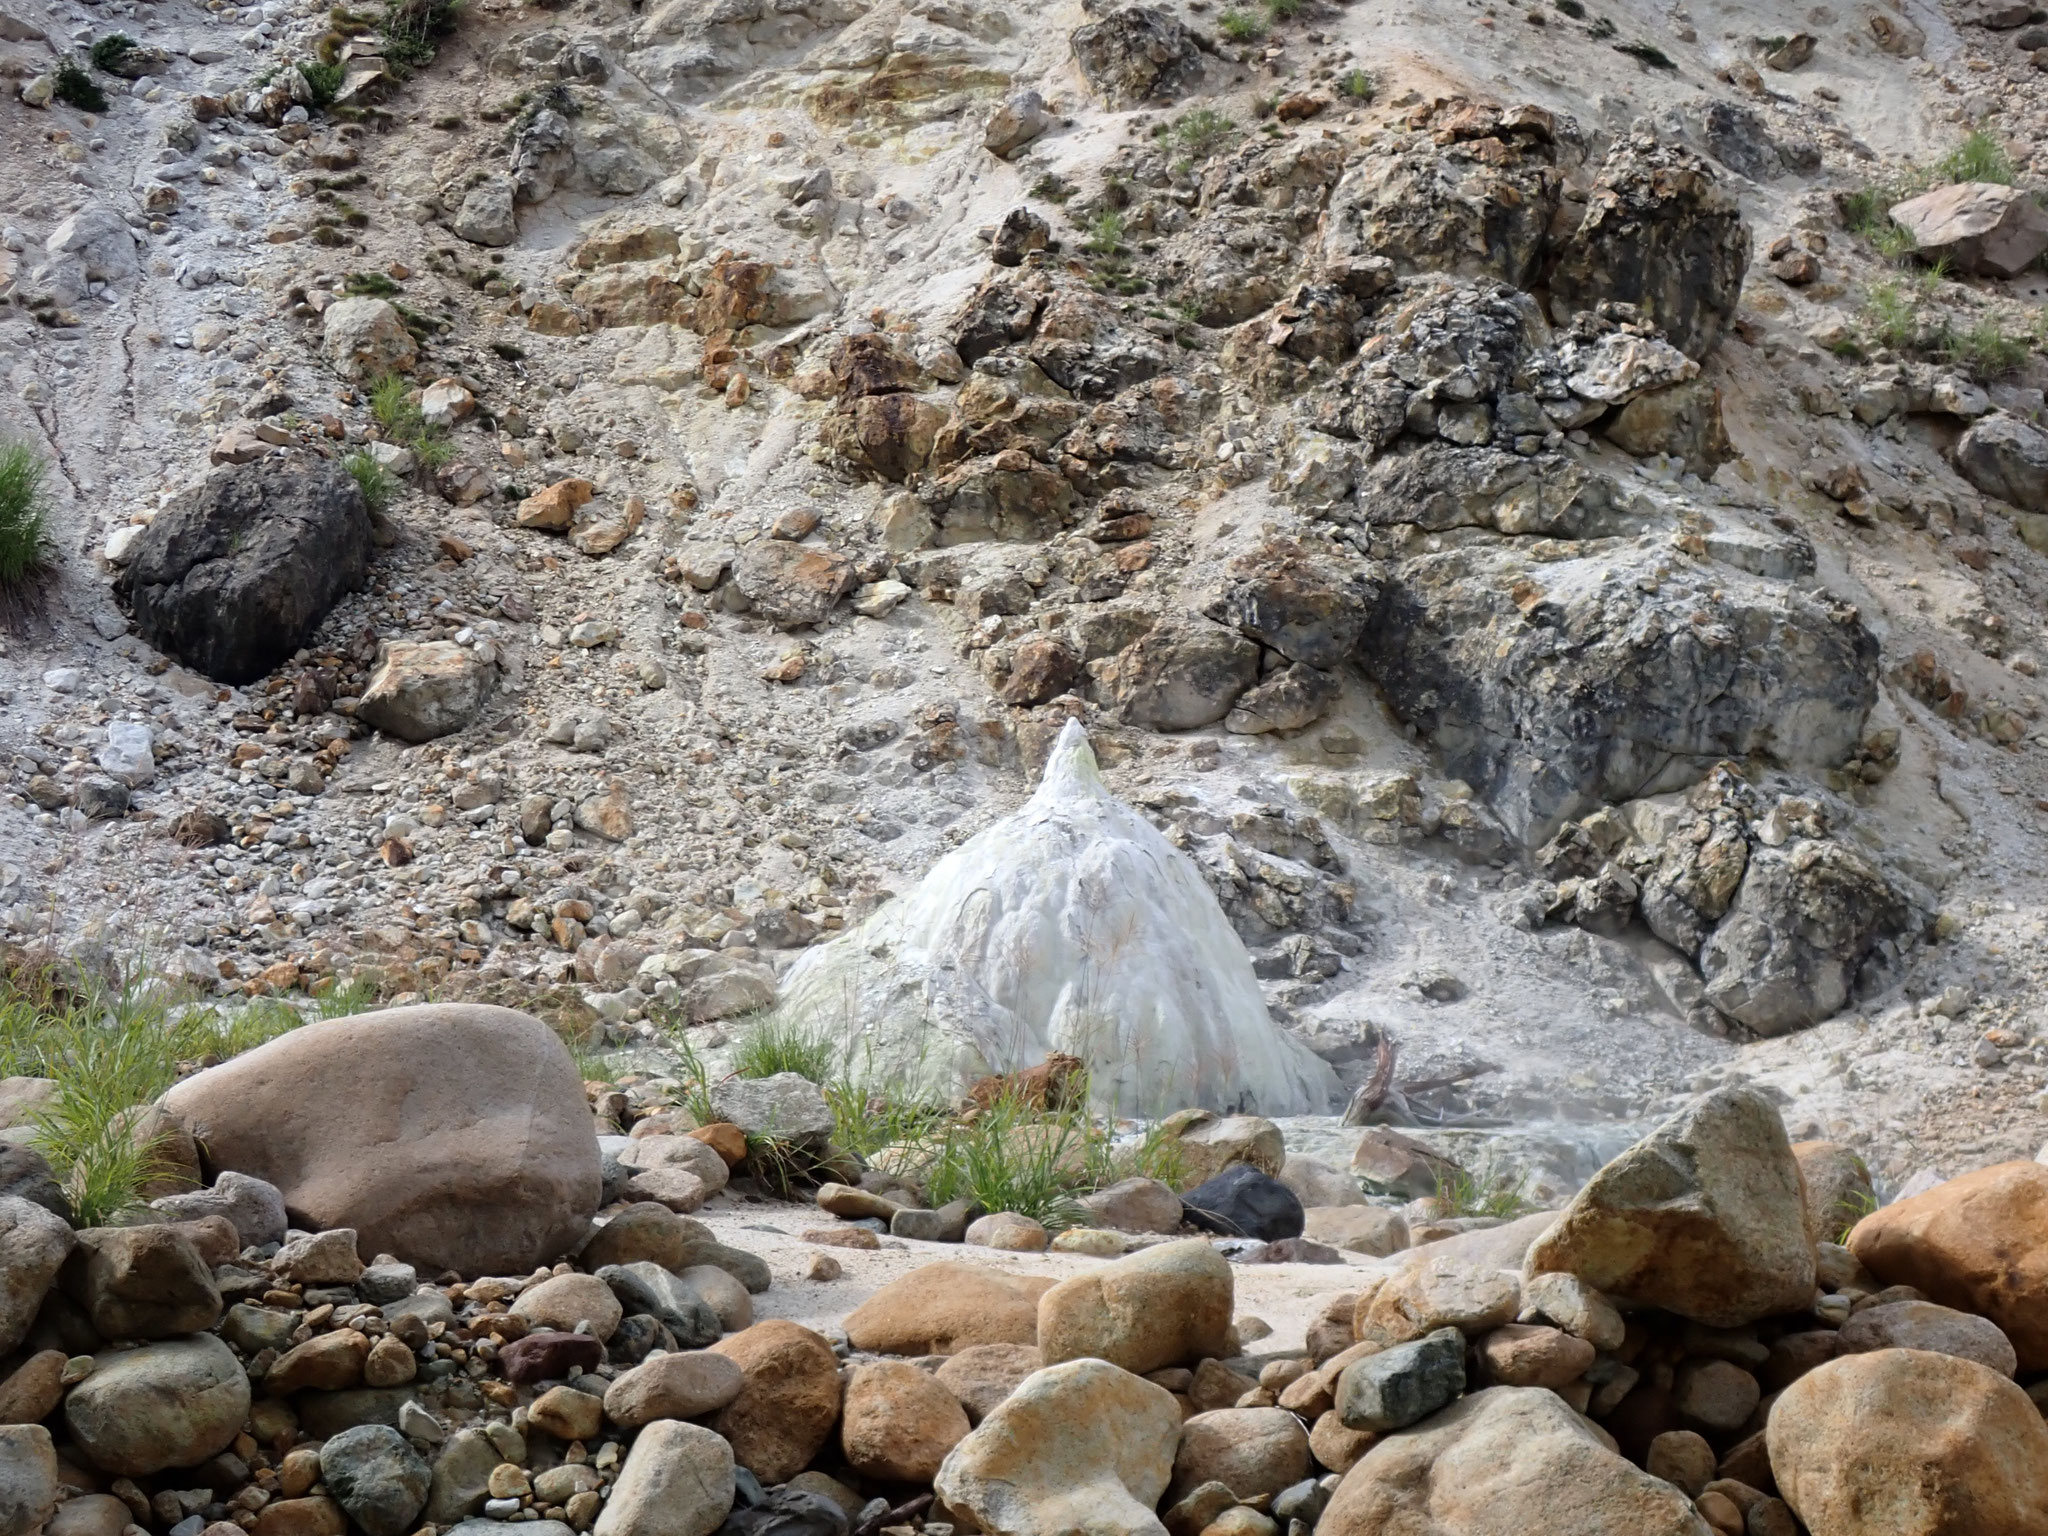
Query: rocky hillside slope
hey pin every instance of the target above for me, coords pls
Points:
(1481, 475)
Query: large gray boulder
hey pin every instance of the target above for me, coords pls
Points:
(1805, 918)
(235, 574)
(1478, 206)
(28, 1479)
(1552, 688)
(1180, 675)
(365, 338)
(1661, 233)
(2008, 458)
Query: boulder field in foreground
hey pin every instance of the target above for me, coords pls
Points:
(454, 1136)
(1481, 1385)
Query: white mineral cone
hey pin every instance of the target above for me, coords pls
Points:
(1070, 926)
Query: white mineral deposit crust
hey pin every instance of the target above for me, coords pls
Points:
(1071, 926)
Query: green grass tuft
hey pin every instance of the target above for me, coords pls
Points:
(775, 1044)
(372, 479)
(24, 514)
(1358, 85)
(1988, 349)
(1487, 1191)
(112, 1044)
(1105, 234)
(1240, 26)
(1980, 157)
(1204, 130)
(324, 81)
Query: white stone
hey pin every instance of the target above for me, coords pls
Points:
(1073, 926)
(128, 754)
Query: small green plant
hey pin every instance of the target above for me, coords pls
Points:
(1852, 1208)
(693, 1078)
(1600, 29)
(372, 479)
(1769, 44)
(509, 351)
(112, 1044)
(1283, 10)
(351, 997)
(1980, 157)
(323, 80)
(1571, 8)
(1204, 130)
(1646, 53)
(1105, 233)
(413, 30)
(1988, 349)
(24, 511)
(109, 51)
(777, 1044)
(1358, 84)
(1487, 1191)
(1053, 187)
(1890, 316)
(75, 88)
(393, 408)
(371, 285)
(1240, 26)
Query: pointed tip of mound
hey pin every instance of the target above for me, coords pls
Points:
(1070, 768)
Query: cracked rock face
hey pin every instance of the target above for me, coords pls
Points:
(1659, 233)
(1787, 952)
(1611, 674)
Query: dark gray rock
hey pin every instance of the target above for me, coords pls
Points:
(100, 798)
(1136, 55)
(382, 1284)
(1399, 1386)
(1661, 233)
(376, 1477)
(2008, 458)
(1020, 233)
(1310, 609)
(235, 575)
(25, 1174)
(637, 1337)
(1243, 1202)
(787, 1511)
(948, 1224)
(647, 1289)
(252, 1206)
(1554, 688)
